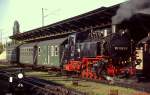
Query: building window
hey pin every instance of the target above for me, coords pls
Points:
(52, 50)
(56, 50)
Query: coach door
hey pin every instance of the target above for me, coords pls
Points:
(53, 55)
(35, 54)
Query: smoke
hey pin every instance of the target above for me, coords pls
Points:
(128, 9)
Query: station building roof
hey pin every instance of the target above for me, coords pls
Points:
(97, 18)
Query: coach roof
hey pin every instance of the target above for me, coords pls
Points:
(54, 41)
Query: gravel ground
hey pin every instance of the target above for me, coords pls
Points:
(92, 88)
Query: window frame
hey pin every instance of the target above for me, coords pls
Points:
(56, 50)
(39, 51)
(52, 50)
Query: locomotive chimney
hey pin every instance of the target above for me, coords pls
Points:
(114, 28)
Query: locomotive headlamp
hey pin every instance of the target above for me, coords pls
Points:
(20, 75)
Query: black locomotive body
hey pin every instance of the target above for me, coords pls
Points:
(119, 46)
(115, 45)
(86, 53)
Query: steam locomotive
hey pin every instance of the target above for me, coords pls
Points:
(93, 53)
(110, 55)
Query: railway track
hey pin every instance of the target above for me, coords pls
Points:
(41, 86)
(143, 86)
(35, 86)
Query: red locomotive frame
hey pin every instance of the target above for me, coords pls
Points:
(84, 67)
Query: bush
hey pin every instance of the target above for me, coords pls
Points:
(1, 48)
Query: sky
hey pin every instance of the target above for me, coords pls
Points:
(29, 12)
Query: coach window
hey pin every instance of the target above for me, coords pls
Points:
(27, 51)
(52, 50)
(30, 50)
(39, 51)
(8, 52)
(56, 50)
(23, 51)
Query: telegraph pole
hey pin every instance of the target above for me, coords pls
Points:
(43, 14)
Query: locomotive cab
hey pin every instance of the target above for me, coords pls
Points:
(144, 55)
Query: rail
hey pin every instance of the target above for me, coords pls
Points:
(38, 86)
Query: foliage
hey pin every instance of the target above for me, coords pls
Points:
(1, 48)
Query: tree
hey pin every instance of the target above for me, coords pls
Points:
(1, 48)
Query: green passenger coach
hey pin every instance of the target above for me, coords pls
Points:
(27, 54)
(49, 52)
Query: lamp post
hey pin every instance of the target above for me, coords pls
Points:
(42, 17)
